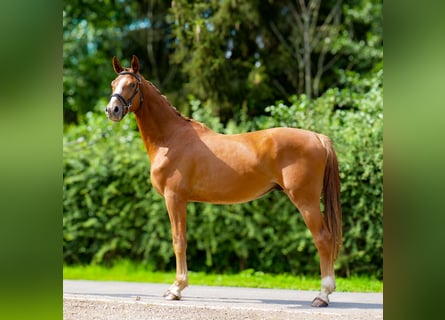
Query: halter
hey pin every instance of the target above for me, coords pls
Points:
(128, 103)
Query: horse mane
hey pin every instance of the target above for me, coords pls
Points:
(179, 114)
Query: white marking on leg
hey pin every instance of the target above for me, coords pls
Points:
(328, 283)
(175, 290)
(327, 287)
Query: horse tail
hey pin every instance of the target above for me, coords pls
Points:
(331, 196)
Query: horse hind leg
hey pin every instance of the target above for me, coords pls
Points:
(323, 241)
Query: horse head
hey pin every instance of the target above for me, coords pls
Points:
(125, 88)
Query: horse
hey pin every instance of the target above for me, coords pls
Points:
(191, 163)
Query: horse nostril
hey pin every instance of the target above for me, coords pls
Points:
(116, 109)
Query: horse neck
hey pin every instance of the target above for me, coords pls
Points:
(156, 118)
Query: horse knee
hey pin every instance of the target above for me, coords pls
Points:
(179, 244)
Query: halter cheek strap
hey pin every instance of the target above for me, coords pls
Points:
(128, 103)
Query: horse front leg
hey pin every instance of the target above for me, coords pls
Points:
(176, 208)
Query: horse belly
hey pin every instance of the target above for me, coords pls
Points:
(220, 188)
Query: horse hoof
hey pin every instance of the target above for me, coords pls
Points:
(318, 303)
(171, 296)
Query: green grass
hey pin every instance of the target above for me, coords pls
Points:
(128, 271)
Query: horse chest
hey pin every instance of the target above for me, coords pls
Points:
(163, 171)
(158, 175)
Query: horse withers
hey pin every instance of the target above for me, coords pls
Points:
(191, 163)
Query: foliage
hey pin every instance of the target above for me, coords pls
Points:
(95, 31)
(353, 118)
(252, 53)
(111, 210)
(229, 54)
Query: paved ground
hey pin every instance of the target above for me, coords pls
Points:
(94, 300)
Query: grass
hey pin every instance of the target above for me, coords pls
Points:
(128, 271)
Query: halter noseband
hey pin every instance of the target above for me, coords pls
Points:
(128, 103)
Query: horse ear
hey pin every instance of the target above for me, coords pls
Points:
(135, 64)
(117, 66)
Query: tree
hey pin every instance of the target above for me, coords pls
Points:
(311, 35)
(95, 31)
(229, 54)
(252, 53)
(216, 47)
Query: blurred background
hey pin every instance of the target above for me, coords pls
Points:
(237, 66)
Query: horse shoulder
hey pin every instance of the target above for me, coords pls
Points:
(160, 169)
(170, 162)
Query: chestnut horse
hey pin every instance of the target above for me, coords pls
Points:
(191, 163)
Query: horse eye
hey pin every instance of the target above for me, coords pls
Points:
(132, 85)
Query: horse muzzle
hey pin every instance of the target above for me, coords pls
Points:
(115, 112)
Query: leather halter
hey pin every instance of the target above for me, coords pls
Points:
(128, 103)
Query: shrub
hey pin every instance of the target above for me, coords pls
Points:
(110, 210)
(353, 118)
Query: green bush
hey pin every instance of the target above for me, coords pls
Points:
(353, 119)
(111, 211)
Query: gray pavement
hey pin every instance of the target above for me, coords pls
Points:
(129, 300)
